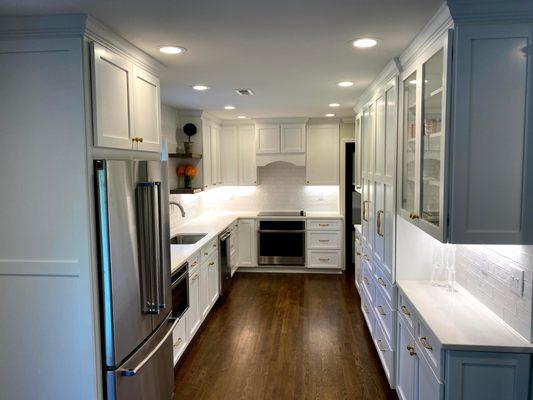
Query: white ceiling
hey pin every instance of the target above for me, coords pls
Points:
(290, 52)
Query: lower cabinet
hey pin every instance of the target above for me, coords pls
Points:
(406, 363)
(194, 313)
(247, 243)
(180, 337)
(213, 279)
(205, 304)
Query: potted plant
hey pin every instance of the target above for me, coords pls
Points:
(187, 172)
(189, 130)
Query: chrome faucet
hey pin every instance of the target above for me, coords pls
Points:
(173, 203)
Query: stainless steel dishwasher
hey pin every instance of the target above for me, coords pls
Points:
(225, 260)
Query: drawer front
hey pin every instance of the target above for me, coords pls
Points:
(179, 338)
(407, 311)
(366, 307)
(430, 347)
(209, 249)
(368, 282)
(385, 351)
(366, 254)
(383, 283)
(384, 314)
(324, 259)
(194, 261)
(323, 240)
(324, 224)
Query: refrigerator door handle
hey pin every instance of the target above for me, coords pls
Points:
(135, 370)
(158, 248)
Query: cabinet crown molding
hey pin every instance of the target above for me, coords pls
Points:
(76, 25)
(465, 11)
(295, 120)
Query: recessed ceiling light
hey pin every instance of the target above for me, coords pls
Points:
(229, 108)
(171, 49)
(200, 88)
(365, 43)
(330, 115)
(345, 84)
(242, 117)
(334, 105)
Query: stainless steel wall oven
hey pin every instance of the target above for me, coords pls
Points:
(281, 242)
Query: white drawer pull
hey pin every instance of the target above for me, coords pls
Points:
(405, 311)
(324, 259)
(424, 341)
(380, 345)
(380, 309)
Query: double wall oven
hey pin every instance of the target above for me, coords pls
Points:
(281, 238)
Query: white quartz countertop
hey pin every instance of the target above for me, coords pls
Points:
(460, 321)
(213, 224)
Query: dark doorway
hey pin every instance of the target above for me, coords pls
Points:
(352, 206)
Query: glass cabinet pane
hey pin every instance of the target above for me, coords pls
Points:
(432, 139)
(409, 143)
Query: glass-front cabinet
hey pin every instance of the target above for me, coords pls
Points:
(422, 197)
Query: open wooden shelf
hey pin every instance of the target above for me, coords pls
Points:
(186, 191)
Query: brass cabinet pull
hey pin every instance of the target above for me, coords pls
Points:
(366, 257)
(324, 259)
(211, 264)
(380, 345)
(365, 308)
(358, 253)
(214, 245)
(364, 210)
(382, 282)
(206, 253)
(378, 222)
(424, 341)
(366, 281)
(178, 342)
(323, 240)
(411, 350)
(405, 311)
(140, 139)
(413, 215)
(381, 312)
(323, 224)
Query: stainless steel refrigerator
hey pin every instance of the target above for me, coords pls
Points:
(134, 266)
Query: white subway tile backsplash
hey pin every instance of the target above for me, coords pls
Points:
(485, 272)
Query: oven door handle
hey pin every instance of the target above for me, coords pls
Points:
(281, 231)
(179, 280)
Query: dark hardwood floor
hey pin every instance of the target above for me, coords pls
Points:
(283, 336)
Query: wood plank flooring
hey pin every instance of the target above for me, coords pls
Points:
(283, 336)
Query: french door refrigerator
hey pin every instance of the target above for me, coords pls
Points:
(134, 266)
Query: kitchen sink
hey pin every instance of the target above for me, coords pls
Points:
(187, 238)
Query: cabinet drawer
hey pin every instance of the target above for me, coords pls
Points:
(368, 282)
(324, 224)
(323, 240)
(407, 311)
(366, 308)
(384, 314)
(194, 261)
(430, 347)
(385, 351)
(383, 283)
(208, 249)
(179, 338)
(324, 259)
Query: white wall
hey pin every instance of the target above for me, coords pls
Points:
(482, 270)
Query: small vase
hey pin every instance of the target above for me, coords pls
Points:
(188, 147)
(188, 180)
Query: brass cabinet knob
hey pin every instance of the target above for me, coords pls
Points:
(140, 139)
(424, 341)
(411, 350)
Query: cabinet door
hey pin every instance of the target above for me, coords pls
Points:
(215, 155)
(268, 139)
(358, 153)
(406, 363)
(322, 155)
(112, 87)
(293, 138)
(429, 386)
(204, 303)
(229, 156)
(379, 138)
(488, 376)
(146, 110)
(213, 279)
(247, 242)
(193, 314)
(408, 201)
(206, 150)
(247, 162)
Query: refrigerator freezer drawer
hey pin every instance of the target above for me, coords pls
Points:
(147, 374)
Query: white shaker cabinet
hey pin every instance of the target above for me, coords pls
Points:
(322, 155)
(268, 138)
(194, 316)
(206, 154)
(146, 110)
(112, 88)
(406, 363)
(229, 155)
(247, 242)
(213, 278)
(246, 158)
(215, 154)
(292, 138)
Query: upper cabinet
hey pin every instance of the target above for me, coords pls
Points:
(229, 153)
(292, 138)
(126, 103)
(424, 133)
(237, 153)
(280, 138)
(322, 155)
(268, 138)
